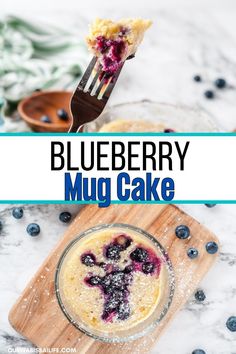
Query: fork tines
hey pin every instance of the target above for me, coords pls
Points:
(87, 73)
(111, 84)
(96, 82)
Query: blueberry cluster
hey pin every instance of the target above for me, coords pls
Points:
(61, 113)
(183, 233)
(112, 50)
(113, 250)
(115, 289)
(115, 283)
(33, 229)
(219, 83)
(140, 255)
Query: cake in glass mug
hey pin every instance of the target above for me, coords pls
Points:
(134, 125)
(111, 280)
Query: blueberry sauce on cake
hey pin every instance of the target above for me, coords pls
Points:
(112, 280)
(115, 284)
(113, 42)
(112, 51)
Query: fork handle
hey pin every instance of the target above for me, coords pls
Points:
(76, 129)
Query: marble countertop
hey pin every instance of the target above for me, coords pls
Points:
(188, 40)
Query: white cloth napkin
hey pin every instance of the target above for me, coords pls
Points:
(37, 56)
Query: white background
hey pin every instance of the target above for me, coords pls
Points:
(209, 173)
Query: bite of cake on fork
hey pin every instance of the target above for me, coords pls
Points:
(111, 43)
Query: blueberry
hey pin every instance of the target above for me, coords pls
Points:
(33, 229)
(211, 247)
(117, 280)
(197, 78)
(94, 280)
(123, 241)
(129, 269)
(106, 284)
(200, 295)
(192, 253)
(114, 281)
(210, 205)
(106, 314)
(45, 119)
(107, 289)
(113, 252)
(220, 83)
(148, 267)
(169, 130)
(198, 351)
(231, 323)
(114, 300)
(88, 259)
(182, 232)
(128, 278)
(62, 114)
(65, 217)
(123, 311)
(139, 255)
(17, 213)
(209, 94)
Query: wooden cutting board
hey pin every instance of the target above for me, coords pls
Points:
(37, 316)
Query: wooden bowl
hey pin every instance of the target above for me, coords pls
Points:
(32, 108)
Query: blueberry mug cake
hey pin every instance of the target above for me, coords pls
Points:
(112, 280)
(134, 125)
(113, 42)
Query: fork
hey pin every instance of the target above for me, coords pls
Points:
(91, 95)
